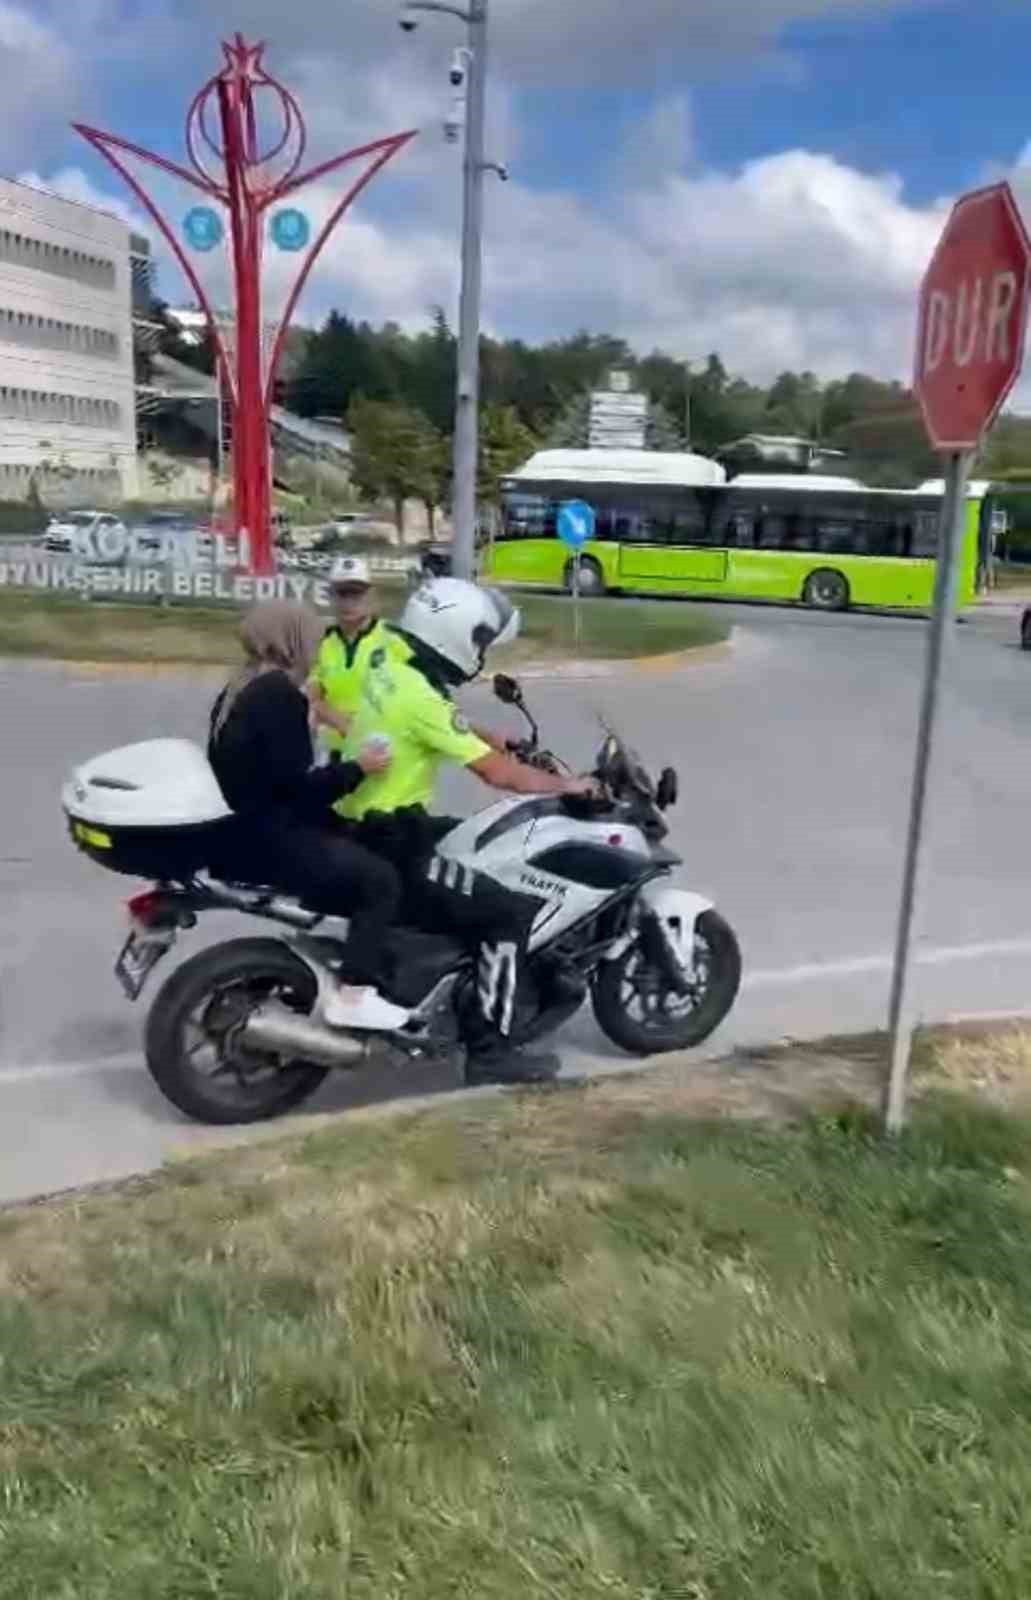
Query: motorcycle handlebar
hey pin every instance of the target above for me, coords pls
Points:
(525, 751)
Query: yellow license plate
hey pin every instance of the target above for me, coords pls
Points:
(91, 836)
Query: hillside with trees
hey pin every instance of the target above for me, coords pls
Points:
(395, 392)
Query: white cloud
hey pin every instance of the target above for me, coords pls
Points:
(553, 41)
(795, 260)
(792, 260)
(601, 40)
(39, 78)
(659, 144)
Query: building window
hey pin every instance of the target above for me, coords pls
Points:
(45, 333)
(36, 405)
(97, 272)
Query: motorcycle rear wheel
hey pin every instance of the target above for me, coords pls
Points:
(668, 1021)
(192, 1053)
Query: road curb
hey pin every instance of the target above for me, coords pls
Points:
(580, 671)
(633, 666)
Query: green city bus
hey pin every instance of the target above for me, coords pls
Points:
(673, 525)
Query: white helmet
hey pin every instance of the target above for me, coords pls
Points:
(459, 622)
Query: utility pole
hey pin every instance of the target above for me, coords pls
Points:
(467, 389)
(688, 364)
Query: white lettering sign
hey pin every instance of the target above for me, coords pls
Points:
(972, 326)
(236, 589)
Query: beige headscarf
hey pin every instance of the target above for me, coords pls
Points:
(277, 635)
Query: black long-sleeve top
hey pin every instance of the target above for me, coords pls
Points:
(262, 756)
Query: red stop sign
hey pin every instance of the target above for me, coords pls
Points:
(973, 314)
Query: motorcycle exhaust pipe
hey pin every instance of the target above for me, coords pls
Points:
(275, 1028)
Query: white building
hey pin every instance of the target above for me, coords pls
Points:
(67, 399)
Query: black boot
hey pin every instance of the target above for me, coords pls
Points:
(504, 1063)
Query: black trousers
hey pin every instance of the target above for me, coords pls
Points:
(440, 897)
(326, 867)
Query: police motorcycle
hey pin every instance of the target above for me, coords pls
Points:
(236, 1034)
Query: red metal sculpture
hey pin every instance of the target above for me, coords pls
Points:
(245, 172)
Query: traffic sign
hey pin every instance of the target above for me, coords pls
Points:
(290, 229)
(970, 349)
(973, 317)
(576, 523)
(203, 228)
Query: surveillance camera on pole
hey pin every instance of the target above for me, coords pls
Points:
(458, 68)
(455, 123)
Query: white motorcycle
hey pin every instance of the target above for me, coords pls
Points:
(237, 1034)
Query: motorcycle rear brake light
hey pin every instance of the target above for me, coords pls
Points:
(145, 907)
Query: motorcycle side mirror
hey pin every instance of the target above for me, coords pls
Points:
(668, 791)
(507, 690)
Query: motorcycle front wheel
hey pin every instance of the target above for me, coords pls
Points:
(193, 1049)
(638, 1011)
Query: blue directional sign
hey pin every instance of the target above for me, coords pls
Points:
(576, 523)
(291, 229)
(203, 228)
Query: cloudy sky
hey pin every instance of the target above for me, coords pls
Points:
(762, 177)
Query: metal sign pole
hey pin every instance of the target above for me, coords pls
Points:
(576, 599)
(942, 629)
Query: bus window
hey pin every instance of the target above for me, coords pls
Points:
(528, 517)
(691, 525)
(925, 534)
(640, 521)
(780, 530)
(838, 531)
(733, 523)
(740, 531)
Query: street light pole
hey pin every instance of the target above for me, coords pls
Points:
(467, 392)
(467, 388)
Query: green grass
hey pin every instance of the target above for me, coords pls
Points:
(578, 1346)
(67, 628)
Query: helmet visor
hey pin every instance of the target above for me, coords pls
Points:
(503, 630)
(509, 617)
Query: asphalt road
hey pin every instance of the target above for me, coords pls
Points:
(795, 754)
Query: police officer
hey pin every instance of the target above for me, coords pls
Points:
(343, 658)
(448, 626)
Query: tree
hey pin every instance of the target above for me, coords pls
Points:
(661, 431)
(506, 444)
(571, 429)
(395, 454)
(432, 372)
(794, 405)
(1007, 450)
(339, 362)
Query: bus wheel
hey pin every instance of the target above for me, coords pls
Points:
(826, 591)
(592, 580)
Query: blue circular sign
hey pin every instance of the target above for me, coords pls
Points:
(291, 229)
(576, 523)
(203, 228)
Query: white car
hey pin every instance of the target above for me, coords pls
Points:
(350, 522)
(69, 528)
